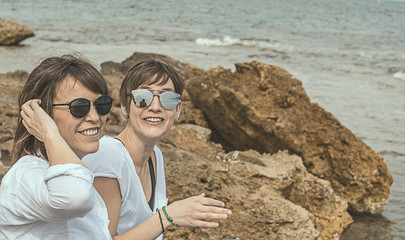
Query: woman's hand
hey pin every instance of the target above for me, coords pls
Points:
(197, 211)
(36, 120)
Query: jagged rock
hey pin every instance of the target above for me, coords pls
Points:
(265, 108)
(10, 84)
(262, 190)
(317, 196)
(13, 33)
(258, 107)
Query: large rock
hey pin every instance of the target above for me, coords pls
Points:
(271, 196)
(265, 108)
(13, 33)
(10, 85)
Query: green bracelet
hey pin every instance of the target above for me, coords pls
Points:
(169, 218)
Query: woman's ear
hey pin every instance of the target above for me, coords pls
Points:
(178, 111)
(124, 112)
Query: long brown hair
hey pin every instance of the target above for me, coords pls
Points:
(42, 84)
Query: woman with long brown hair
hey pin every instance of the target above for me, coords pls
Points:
(48, 192)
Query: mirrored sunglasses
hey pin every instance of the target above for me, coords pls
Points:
(80, 107)
(144, 97)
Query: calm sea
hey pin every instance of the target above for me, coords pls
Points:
(349, 54)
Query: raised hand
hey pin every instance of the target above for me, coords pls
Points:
(36, 120)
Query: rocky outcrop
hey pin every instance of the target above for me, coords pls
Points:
(273, 193)
(287, 168)
(10, 84)
(265, 108)
(13, 33)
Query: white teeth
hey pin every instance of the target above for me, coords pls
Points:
(90, 132)
(153, 119)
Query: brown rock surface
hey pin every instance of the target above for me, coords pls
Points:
(13, 33)
(10, 84)
(265, 108)
(269, 194)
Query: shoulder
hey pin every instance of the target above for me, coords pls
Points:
(28, 168)
(110, 149)
(109, 160)
(29, 164)
(159, 158)
(158, 153)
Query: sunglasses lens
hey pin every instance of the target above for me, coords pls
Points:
(169, 100)
(142, 97)
(103, 105)
(79, 107)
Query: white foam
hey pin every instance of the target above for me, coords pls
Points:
(399, 75)
(230, 41)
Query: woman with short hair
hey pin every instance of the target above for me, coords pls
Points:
(129, 168)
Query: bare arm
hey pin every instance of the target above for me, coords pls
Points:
(109, 190)
(197, 211)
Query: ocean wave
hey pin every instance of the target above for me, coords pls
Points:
(231, 41)
(399, 75)
(392, 153)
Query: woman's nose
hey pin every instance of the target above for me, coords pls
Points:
(92, 115)
(155, 104)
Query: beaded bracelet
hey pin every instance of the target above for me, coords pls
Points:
(161, 222)
(169, 218)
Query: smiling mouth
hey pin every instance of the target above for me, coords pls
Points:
(154, 120)
(89, 132)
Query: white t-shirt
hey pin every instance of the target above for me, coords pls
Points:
(113, 160)
(58, 202)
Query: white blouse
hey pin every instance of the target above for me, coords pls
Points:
(58, 202)
(113, 160)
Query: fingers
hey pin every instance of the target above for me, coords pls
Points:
(198, 211)
(29, 113)
(210, 201)
(200, 223)
(216, 210)
(209, 210)
(33, 103)
(26, 110)
(213, 205)
(209, 217)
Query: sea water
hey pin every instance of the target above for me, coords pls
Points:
(349, 54)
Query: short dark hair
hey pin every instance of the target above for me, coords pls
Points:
(148, 71)
(42, 84)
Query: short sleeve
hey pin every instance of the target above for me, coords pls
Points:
(69, 169)
(108, 160)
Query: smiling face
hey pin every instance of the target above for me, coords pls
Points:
(152, 122)
(81, 134)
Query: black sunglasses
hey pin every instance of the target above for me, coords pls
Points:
(80, 107)
(144, 97)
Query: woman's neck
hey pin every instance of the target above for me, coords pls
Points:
(139, 150)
